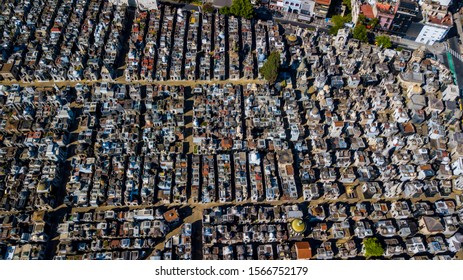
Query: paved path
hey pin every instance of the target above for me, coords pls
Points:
(135, 82)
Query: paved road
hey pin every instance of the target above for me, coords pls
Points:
(453, 44)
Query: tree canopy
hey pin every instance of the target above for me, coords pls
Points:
(348, 4)
(373, 247)
(362, 19)
(383, 41)
(338, 22)
(369, 23)
(374, 22)
(242, 8)
(360, 33)
(270, 68)
(208, 8)
(225, 10)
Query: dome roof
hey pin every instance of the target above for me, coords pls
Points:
(416, 89)
(292, 38)
(311, 89)
(298, 225)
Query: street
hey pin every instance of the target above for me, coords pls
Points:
(453, 43)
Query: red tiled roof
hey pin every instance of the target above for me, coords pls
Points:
(384, 8)
(367, 11)
(323, 2)
(303, 250)
(447, 20)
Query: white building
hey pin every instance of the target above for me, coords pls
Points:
(119, 2)
(307, 10)
(451, 93)
(457, 167)
(147, 4)
(432, 33)
(441, 2)
(293, 6)
(355, 10)
(435, 29)
(141, 4)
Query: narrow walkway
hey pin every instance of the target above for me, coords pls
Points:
(137, 82)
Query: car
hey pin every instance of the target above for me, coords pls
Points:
(349, 24)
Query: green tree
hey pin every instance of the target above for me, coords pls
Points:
(225, 10)
(270, 68)
(242, 8)
(360, 33)
(208, 8)
(373, 23)
(348, 4)
(373, 247)
(362, 19)
(383, 41)
(338, 22)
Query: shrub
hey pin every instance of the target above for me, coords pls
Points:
(360, 33)
(373, 247)
(383, 41)
(270, 68)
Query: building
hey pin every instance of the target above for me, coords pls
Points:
(436, 27)
(9, 72)
(307, 10)
(276, 5)
(430, 225)
(141, 4)
(147, 4)
(303, 250)
(297, 227)
(384, 12)
(407, 12)
(292, 6)
(450, 93)
(443, 2)
(355, 9)
(321, 8)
